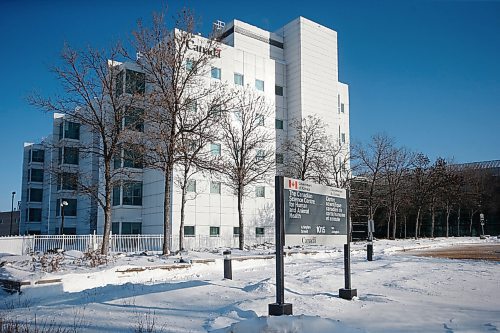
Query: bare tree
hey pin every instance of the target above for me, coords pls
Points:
(248, 147)
(176, 62)
(306, 149)
(90, 81)
(370, 161)
(334, 168)
(421, 186)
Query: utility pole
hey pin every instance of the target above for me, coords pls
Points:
(11, 213)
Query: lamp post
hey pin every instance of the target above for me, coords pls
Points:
(11, 213)
(63, 204)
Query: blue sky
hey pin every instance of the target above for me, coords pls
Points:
(425, 72)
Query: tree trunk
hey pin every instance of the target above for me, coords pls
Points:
(240, 217)
(448, 212)
(405, 226)
(389, 224)
(416, 223)
(167, 230)
(470, 222)
(394, 226)
(107, 210)
(458, 222)
(433, 220)
(183, 207)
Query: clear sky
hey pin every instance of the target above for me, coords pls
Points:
(425, 72)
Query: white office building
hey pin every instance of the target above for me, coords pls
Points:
(296, 68)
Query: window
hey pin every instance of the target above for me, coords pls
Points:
(131, 228)
(37, 155)
(70, 155)
(342, 107)
(67, 181)
(192, 106)
(115, 228)
(133, 119)
(238, 79)
(132, 158)
(35, 194)
(214, 231)
(132, 194)
(191, 185)
(260, 191)
(215, 187)
(342, 136)
(237, 115)
(136, 82)
(119, 83)
(216, 73)
(35, 175)
(338, 103)
(236, 231)
(216, 110)
(34, 215)
(189, 65)
(69, 210)
(279, 124)
(260, 119)
(69, 130)
(279, 158)
(259, 85)
(189, 231)
(215, 149)
(116, 195)
(259, 231)
(260, 155)
(278, 90)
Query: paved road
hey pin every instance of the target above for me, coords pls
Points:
(465, 251)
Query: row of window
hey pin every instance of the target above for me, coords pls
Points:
(215, 188)
(239, 79)
(190, 231)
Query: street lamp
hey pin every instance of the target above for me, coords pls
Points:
(11, 212)
(64, 203)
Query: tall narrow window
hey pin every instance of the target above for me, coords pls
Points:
(71, 130)
(260, 155)
(135, 82)
(259, 85)
(342, 107)
(215, 187)
(132, 193)
(216, 73)
(191, 185)
(260, 191)
(116, 195)
(119, 83)
(279, 158)
(214, 231)
(279, 124)
(215, 149)
(70, 155)
(278, 90)
(189, 65)
(342, 137)
(134, 119)
(260, 119)
(238, 79)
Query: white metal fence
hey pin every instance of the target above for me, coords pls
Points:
(20, 245)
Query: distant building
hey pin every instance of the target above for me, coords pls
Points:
(5, 225)
(295, 67)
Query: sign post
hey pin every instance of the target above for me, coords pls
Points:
(280, 307)
(481, 218)
(348, 292)
(369, 246)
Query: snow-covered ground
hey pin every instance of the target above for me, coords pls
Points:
(398, 292)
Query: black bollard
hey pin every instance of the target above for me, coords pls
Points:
(228, 270)
(369, 252)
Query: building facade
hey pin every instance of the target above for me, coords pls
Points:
(296, 68)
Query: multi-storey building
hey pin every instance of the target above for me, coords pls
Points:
(295, 67)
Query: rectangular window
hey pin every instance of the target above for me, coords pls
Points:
(342, 136)
(132, 193)
(133, 119)
(215, 187)
(71, 130)
(135, 82)
(71, 155)
(236, 231)
(259, 85)
(260, 155)
(279, 158)
(69, 209)
(131, 228)
(214, 231)
(279, 124)
(34, 215)
(35, 194)
(259, 231)
(338, 103)
(119, 83)
(116, 195)
(260, 191)
(37, 155)
(132, 158)
(115, 228)
(342, 107)
(189, 65)
(36, 175)
(237, 115)
(278, 90)
(238, 79)
(216, 111)
(192, 106)
(216, 73)
(260, 119)
(68, 181)
(191, 185)
(189, 231)
(215, 149)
